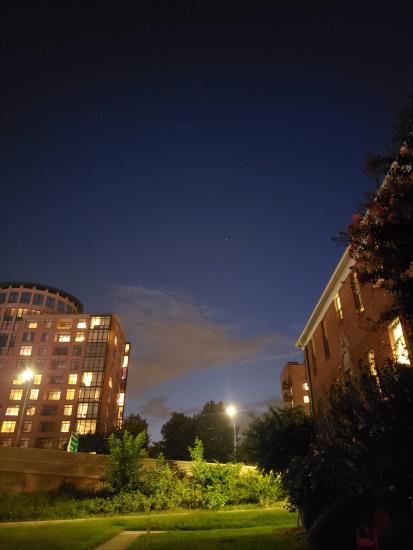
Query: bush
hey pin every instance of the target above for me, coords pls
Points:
(125, 451)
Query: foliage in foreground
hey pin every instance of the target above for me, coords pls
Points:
(133, 489)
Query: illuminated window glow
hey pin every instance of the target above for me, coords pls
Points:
(337, 305)
(68, 410)
(398, 343)
(34, 394)
(80, 337)
(306, 399)
(121, 399)
(30, 411)
(82, 323)
(37, 379)
(53, 395)
(64, 324)
(63, 337)
(70, 394)
(65, 426)
(72, 379)
(12, 411)
(85, 426)
(8, 426)
(87, 378)
(371, 358)
(15, 395)
(31, 324)
(355, 285)
(125, 361)
(26, 350)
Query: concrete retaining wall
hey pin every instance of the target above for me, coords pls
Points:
(33, 470)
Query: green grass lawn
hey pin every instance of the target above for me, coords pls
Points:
(272, 528)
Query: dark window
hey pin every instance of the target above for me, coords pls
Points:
(96, 349)
(77, 350)
(3, 340)
(12, 341)
(38, 299)
(13, 297)
(68, 308)
(55, 365)
(325, 340)
(60, 306)
(39, 363)
(3, 298)
(25, 297)
(50, 302)
(56, 380)
(43, 443)
(28, 337)
(75, 364)
(49, 410)
(46, 426)
(60, 350)
(45, 337)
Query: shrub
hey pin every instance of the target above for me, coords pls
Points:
(125, 451)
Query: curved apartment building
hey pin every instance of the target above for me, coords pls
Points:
(62, 371)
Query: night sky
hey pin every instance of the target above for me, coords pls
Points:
(187, 167)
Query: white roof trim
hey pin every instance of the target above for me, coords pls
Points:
(340, 274)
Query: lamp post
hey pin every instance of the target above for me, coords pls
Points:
(231, 412)
(26, 376)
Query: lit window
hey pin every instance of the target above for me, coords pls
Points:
(37, 379)
(12, 411)
(18, 381)
(27, 426)
(65, 426)
(337, 305)
(82, 410)
(398, 343)
(355, 285)
(371, 358)
(82, 323)
(80, 337)
(72, 378)
(31, 324)
(87, 378)
(53, 395)
(63, 337)
(30, 411)
(26, 350)
(67, 411)
(70, 394)
(306, 386)
(8, 426)
(34, 394)
(16, 395)
(125, 361)
(127, 347)
(115, 341)
(110, 382)
(86, 427)
(306, 399)
(64, 324)
(99, 322)
(48, 324)
(121, 399)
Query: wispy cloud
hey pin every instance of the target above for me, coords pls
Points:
(173, 335)
(156, 407)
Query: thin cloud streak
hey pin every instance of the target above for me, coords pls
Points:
(173, 336)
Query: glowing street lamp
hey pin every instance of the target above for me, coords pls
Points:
(26, 377)
(231, 412)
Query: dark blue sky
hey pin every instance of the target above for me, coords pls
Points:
(187, 168)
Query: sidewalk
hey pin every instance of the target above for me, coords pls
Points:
(123, 540)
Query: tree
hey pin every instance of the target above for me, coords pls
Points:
(215, 430)
(125, 451)
(135, 424)
(380, 235)
(211, 425)
(178, 433)
(278, 436)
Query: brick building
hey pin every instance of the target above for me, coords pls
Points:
(61, 370)
(294, 385)
(343, 331)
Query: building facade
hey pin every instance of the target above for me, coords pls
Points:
(345, 331)
(294, 386)
(61, 370)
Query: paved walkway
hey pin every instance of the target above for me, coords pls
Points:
(123, 540)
